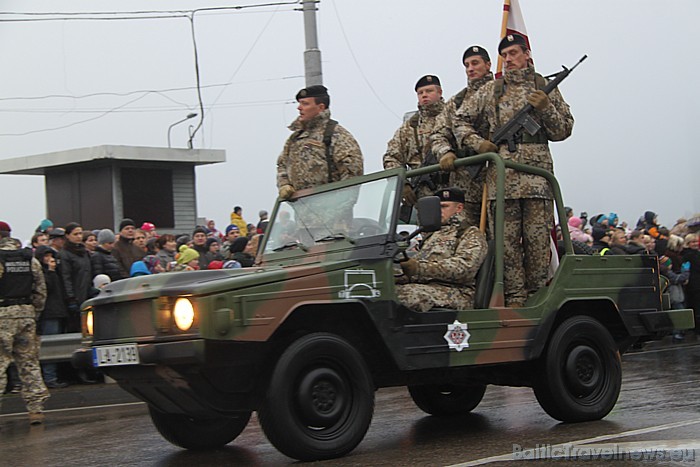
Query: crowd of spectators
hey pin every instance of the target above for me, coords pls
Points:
(78, 262)
(676, 247)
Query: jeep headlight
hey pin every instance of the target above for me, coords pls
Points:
(183, 314)
(89, 322)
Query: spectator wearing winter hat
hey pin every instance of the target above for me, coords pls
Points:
(187, 259)
(199, 243)
(153, 264)
(601, 241)
(45, 226)
(102, 260)
(575, 231)
(139, 268)
(213, 232)
(101, 281)
(124, 249)
(183, 239)
(167, 247)
(57, 239)
(237, 252)
(213, 247)
(232, 233)
(216, 264)
(149, 230)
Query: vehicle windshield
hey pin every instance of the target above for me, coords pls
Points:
(347, 214)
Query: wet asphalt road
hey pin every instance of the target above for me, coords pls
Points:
(658, 411)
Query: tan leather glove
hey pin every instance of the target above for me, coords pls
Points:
(286, 191)
(410, 267)
(487, 146)
(447, 162)
(408, 195)
(538, 100)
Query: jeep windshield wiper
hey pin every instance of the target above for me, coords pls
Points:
(334, 237)
(293, 244)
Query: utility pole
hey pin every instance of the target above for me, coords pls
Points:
(312, 54)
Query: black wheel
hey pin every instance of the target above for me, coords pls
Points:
(320, 400)
(198, 434)
(580, 373)
(447, 399)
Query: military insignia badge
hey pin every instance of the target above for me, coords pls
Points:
(446, 194)
(429, 79)
(510, 38)
(457, 336)
(475, 50)
(302, 93)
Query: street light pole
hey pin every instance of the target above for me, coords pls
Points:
(312, 54)
(189, 116)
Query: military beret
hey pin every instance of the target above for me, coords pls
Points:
(317, 90)
(427, 80)
(511, 39)
(5, 227)
(476, 50)
(450, 194)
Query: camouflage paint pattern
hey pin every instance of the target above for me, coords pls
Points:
(303, 163)
(404, 149)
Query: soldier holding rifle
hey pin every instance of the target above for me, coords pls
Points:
(528, 216)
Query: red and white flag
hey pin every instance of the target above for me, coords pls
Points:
(512, 23)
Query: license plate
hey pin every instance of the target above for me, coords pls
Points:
(113, 355)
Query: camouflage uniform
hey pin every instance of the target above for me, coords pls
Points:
(303, 163)
(443, 141)
(528, 209)
(18, 338)
(447, 265)
(410, 144)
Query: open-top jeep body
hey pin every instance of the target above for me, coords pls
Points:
(307, 335)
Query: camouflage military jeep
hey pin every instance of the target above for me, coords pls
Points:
(307, 335)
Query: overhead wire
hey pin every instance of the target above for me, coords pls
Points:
(359, 68)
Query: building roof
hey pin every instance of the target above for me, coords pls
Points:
(39, 163)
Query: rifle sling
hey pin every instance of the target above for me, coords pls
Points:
(327, 136)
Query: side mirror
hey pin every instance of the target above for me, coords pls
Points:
(429, 215)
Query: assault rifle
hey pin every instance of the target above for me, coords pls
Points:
(512, 130)
(433, 180)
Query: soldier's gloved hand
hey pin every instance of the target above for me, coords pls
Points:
(286, 191)
(410, 267)
(487, 146)
(447, 162)
(538, 100)
(408, 195)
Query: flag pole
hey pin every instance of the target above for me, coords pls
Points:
(504, 29)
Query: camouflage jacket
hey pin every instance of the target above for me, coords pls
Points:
(451, 256)
(38, 290)
(443, 139)
(411, 142)
(303, 163)
(556, 121)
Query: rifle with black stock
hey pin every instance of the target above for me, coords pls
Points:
(510, 132)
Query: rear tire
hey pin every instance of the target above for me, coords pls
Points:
(198, 434)
(447, 399)
(580, 374)
(320, 399)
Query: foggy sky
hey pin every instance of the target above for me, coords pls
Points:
(634, 100)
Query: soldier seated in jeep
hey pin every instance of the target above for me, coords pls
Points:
(443, 272)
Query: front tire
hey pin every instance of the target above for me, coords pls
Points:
(581, 373)
(198, 434)
(443, 400)
(320, 399)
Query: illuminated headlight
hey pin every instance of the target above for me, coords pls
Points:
(89, 322)
(183, 314)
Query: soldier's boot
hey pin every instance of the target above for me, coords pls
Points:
(36, 418)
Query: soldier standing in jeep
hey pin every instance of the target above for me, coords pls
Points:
(529, 213)
(320, 150)
(447, 149)
(442, 273)
(410, 146)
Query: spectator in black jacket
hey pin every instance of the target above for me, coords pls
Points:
(124, 249)
(102, 260)
(76, 272)
(53, 318)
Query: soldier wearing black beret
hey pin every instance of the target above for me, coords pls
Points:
(319, 149)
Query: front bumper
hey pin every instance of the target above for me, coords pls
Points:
(197, 378)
